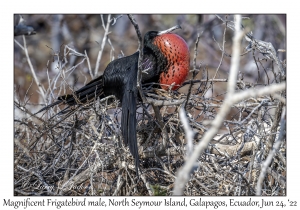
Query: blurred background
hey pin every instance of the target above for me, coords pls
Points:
(85, 33)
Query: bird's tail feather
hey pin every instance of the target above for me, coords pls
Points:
(128, 122)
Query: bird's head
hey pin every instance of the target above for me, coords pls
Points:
(150, 36)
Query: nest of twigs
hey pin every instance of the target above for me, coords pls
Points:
(81, 152)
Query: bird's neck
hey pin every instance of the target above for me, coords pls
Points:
(154, 53)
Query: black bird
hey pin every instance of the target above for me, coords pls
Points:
(165, 61)
(22, 29)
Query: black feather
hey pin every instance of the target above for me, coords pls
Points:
(120, 79)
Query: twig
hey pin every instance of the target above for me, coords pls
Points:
(146, 184)
(189, 133)
(194, 70)
(141, 56)
(106, 32)
(184, 173)
(223, 51)
(33, 71)
(272, 153)
(161, 125)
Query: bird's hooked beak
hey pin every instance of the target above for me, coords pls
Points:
(169, 30)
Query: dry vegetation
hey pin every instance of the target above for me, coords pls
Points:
(222, 133)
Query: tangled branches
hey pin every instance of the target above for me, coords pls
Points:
(81, 152)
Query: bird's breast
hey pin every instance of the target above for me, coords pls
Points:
(176, 51)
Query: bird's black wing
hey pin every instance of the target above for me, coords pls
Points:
(120, 79)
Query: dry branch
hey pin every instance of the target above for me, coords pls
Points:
(202, 140)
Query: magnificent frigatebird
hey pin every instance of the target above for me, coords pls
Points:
(165, 61)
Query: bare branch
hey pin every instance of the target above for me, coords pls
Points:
(106, 32)
(183, 174)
